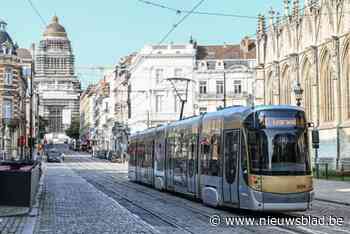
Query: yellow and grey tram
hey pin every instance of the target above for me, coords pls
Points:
(250, 158)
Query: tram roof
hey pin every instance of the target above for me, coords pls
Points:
(243, 110)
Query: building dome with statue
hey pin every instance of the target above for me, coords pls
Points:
(55, 79)
(54, 29)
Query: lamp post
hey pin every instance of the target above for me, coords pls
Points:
(298, 91)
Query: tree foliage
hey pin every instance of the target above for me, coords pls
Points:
(73, 130)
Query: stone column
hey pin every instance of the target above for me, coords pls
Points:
(337, 91)
(294, 71)
(276, 83)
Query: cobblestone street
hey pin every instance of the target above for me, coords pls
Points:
(84, 195)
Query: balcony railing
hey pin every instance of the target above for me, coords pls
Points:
(214, 95)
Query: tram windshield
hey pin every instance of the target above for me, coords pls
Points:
(278, 143)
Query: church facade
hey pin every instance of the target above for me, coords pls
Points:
(309, 47)
(55, 79)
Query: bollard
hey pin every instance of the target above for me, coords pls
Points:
(342, 171)
(326, 171)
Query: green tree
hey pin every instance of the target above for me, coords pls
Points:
(43, 124)
(73, 130)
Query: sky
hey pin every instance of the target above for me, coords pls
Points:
(103, 31)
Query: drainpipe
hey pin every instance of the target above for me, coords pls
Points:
(315, 49)
(338, 109)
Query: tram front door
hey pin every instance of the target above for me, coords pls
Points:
(230, 168)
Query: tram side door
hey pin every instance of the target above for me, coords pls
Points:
(230, 166)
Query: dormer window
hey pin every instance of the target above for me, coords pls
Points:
(8, 76)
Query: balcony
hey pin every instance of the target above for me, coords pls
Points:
(216, 96)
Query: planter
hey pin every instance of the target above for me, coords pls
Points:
(19, 183)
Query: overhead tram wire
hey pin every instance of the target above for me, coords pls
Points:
(37, 12)
(180, 21)
(173, 28)
(179, 11)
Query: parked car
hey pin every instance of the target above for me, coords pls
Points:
(54, 155)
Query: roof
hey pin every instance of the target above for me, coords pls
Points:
(5, 38)
(245, 50)
(24, 53)
(54, 29)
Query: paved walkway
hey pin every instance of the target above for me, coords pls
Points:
(71, 205)
(333, 191)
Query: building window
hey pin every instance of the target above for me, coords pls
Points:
(178, 72)
(202, 87)
(51, 85)
(159, 75)
(7, 109)
(159, 103)
(8, 76)
(202, 110)
(176, 103)
(237, 85)
(219, 87)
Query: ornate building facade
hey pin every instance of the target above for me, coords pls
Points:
(13, 88)
(310, 47)
(224, 72)
(55, 79)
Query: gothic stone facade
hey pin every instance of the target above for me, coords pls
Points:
(310, 47)
(58, 87)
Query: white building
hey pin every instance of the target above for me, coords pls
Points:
(153, 100)
(103, 112)
(224, 72)
(55, 79)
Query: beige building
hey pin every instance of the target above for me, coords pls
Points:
(310, 46)
(224, 72)
(87, 112)
(13, 88)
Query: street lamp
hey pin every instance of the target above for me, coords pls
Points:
(298, 91)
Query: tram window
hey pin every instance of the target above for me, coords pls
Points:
(244, 159)
(205, 153)
(258, 151)
(231, 155)
(191, 160)
(159, 150)
(215, 156)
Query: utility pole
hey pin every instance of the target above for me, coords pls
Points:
(224, 89)
(31, 142)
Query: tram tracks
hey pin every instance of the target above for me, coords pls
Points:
(106, 182)
(204, 215)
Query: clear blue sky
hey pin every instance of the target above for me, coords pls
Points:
(103, 31)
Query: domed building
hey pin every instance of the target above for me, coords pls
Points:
(55, 79)
(13, 87)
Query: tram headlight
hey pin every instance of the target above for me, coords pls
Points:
(255, 182)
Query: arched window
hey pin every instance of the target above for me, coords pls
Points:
(286, 89)
(307, 86)
(269, 89)
(346, 83)
(327, 89)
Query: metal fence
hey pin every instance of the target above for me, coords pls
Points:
(323, 170)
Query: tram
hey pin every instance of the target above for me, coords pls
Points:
(242, 157)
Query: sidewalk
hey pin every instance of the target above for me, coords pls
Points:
(69, 204)
(332, 191)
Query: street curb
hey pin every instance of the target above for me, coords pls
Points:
(331, 201)
(33, 215)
